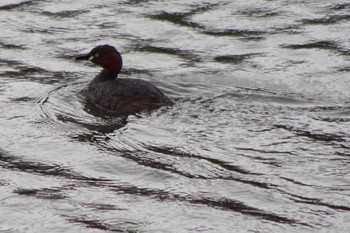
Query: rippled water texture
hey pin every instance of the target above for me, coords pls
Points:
(258, 140)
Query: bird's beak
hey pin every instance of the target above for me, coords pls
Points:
(84, 57)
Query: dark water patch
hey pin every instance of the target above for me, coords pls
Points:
(294, 181)
(46, 31)
(328, 108)
(93, 137)
(253, 183)
(136, 2)
(316, 202)
(98, 130)
(344, 154)
(13, 163)
(22, 71)
(258, 97)
(231, 167)
(262, 159)
(145, 159)
(23, 99)
(265, 151)
(46, 169)
(49, 77)
(11, 63)
(184, 54)
(3, 183)
(11, 46)
(181, 154)
(291, 29)
(260, 13)
(313, 45)
(236, 206)
(217, 203)
(334, 119)
(182, 19)
(346, 148)
(201, 8)
(317, 137)
(343, 69)
(64, 14)
(103, 207)
(244, 34)
(18, 6)
(235, 59)
(27, 72)
(91, 223)
(236, 32)
(329, 19)
(30, 70)
(321, 203)
(327, 45)
(142, 159)
(108, 25)
(341, 6)
(55, 193)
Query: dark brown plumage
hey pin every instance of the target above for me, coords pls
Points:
(113, 94)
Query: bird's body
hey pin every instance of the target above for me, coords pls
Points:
(126, 95)
(121, 96)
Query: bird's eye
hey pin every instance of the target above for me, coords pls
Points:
(96, 55)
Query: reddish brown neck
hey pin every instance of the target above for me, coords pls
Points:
(112, 64)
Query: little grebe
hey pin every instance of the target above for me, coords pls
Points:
(124, 95)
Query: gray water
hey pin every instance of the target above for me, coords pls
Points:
(258, 140)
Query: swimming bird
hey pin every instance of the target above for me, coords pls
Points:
(120, 95)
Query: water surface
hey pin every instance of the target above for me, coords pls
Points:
(258, 140)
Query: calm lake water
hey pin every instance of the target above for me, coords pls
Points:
(258, 140)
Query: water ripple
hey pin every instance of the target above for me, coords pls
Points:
(257, 141)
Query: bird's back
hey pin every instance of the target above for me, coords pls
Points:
(126, 95)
